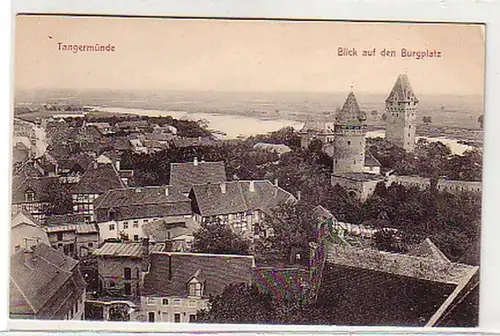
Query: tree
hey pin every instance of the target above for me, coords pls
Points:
(389, 240)
(218, 238)
(427, 120)
(58, 198)
(293, 227)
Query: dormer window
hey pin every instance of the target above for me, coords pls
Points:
(195, 288)
(29, 196)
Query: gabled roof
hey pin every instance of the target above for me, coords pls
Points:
(211, 199)
(39, 185)
(132, 250)
(219, 271)
(23, 217)
(402, 91)
(185, 175)
(318, 127)
(142, 202)
(159, 230)
(44, 282)
(370, 160)
(78, 228)
(350, 112)
(58, 220)
(98, 179)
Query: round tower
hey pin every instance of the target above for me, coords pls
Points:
(401, 111)
(349, 138)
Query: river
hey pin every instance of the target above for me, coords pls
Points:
(235, 126)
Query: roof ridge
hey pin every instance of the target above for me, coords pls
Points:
(204, 254)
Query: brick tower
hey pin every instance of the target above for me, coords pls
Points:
(349, 138)
(401, 110)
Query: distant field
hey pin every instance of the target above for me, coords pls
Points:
(451, 111)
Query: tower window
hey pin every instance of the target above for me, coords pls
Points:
(349, 143)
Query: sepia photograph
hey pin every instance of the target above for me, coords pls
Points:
(246, 171)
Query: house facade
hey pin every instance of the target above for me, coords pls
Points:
(241, 205)
(121, 214)
(25, 229)
(121, 266)
(178, 285)
(32, 194)
(78, 240)
(45, 284)
(97, 180)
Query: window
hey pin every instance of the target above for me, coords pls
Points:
(177, 317)
(91, 244)
(112, 284)
(150, 301)
(177, 302)
(125, 225)
(151, 317)
(59, 236)
(127, 273)
(76, 307)
(135, 224)
(111, 227)
(164, 302)
(71, 313)
(349, 143)
(192, 303)
(145, 221)
(136, 237)
(192, 318)
(195, 289)
(29, 196)
(127, 289)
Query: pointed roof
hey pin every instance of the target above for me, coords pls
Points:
(350, 112)
(402, 91)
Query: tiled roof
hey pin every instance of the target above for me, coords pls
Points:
(370, 160)
(98, 179)
(43, 286)
(282, 283)
(142, 202)
(402, 91)
(19, 155)
(185, 175)
(350, 112)
(398, 264)
(219, 271)
(318, 127)
(133, 250)
(57, 220)
(39, 185)
(211, 200)
(158, 230)
(78, 228)
(23, 217)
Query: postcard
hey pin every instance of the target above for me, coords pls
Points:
(246, 171)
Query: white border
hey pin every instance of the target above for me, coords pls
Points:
(408, 10)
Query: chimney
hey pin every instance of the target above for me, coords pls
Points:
(195, 161)
(252, 186)
(29, 257)
(299, 195)
(166, 190)
(276, 182)
(145, 254)
(117, 163)
(223, 187)
(95, 164)
(169, 245)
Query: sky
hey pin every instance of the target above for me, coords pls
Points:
(241, 55)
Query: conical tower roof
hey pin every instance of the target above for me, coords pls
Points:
(402, 91)
(350, 112)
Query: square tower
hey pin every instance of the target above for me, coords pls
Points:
(401, 111)
(349, 138)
